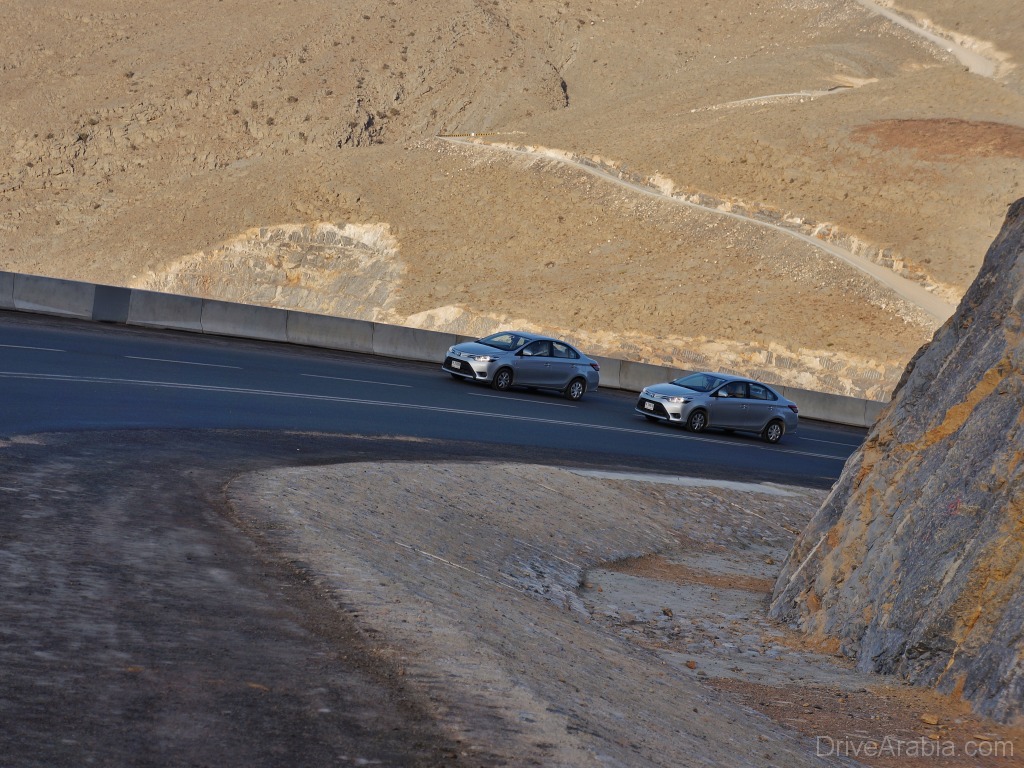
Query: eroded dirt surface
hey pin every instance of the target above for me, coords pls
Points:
(230, 599)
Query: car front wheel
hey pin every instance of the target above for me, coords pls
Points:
(697, 422)
(502, 380)
(773, 432)
(576, 389)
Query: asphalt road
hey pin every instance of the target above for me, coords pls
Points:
(58, 376)
(143, 623)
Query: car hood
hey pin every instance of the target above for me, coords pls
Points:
(672, 390)
(476, 348)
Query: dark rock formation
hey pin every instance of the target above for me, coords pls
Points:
(915, 563)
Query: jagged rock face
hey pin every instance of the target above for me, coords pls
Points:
(915, 563)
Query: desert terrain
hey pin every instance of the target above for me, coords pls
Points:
(293, 155)
(433, 164)
(277, 599)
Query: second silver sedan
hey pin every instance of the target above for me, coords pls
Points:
(704, 400)
(516, 358)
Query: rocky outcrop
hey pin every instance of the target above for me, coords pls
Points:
(915, 563)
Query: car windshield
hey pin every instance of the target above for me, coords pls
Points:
(699, 382)
(504, 340)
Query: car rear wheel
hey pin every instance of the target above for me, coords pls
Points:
(502, 380)
(773, 432)
(697, 422)
(576, 389)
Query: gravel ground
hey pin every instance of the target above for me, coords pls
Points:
(584, 618)
(256, 599)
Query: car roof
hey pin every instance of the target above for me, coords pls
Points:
(727, 377)
(722, 376)
(531, 336)
(534, 336)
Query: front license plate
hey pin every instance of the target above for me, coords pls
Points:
(649, 406)
(456, 364)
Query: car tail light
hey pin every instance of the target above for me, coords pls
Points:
(595, 366)
(794, 409)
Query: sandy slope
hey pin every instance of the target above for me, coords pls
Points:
(141, 136)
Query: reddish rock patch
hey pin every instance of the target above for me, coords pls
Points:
(946, 137)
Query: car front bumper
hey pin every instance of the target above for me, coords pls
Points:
(662, 409)
(468, 368)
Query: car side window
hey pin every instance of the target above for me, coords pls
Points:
(563, 350)
(735, 389)
(537, 349)
(760, 392)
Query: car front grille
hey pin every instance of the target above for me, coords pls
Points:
(464, 370)
(659, 409)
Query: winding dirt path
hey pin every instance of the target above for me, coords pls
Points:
(909, 290)
(975, 62)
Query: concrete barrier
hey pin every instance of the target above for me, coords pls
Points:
(609, 371)
(67, 298)
(7, 290)
(872, 410)
(165, 310)
(636, 376)
(111, 304)
(226, 319)
(839, 409)
(330, 332)
(411, 343)
(50, 296)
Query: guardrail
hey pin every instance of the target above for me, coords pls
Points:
(130, 306)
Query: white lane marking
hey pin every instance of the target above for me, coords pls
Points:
(407, 406)
(182, 362)
(358, 381)
(827, 442)
(520, 399)
(37, 349)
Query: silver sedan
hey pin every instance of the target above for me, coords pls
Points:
(516, 358)
(704, 400)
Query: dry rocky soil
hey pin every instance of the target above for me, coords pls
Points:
(276, 599)
(200, 148)
(598, 618)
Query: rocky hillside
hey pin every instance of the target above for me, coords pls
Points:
(915, 563)
(145, 143)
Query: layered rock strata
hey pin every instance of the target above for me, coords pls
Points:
(915, 562)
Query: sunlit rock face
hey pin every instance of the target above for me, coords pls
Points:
(914, 565)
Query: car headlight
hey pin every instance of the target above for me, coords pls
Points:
(484, 358)
(676, 400)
